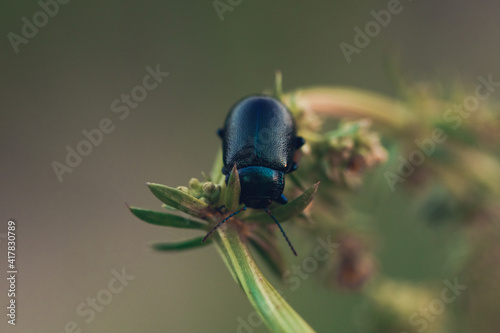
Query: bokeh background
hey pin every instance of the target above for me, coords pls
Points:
(72, 234)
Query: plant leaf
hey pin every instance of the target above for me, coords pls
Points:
(178, 199)
(167, 219)
(167, 207)
(233, 190)
(289, 210)
(276, 313)
(183, 245)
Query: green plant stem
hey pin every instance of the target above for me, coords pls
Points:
(343, 102)
(276, 313)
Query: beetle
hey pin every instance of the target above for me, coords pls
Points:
(260, 138)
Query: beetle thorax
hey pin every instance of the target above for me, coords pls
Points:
(260, 186)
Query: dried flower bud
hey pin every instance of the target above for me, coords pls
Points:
(356, 266)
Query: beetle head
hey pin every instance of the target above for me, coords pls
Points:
(260, 186)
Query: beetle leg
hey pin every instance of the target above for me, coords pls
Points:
(282, 200)
(220, 133)
(299, 142)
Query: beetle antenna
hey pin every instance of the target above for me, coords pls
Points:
(221, 222)
(282, 231)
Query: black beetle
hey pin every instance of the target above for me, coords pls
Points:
(259, 136)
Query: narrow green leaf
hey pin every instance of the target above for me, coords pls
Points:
(167, 207)
(232, 197)
(178, 199)
(183, 245)
(167, 219)
(276, 313)
(287, 211)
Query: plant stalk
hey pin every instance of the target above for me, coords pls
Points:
(276, 313)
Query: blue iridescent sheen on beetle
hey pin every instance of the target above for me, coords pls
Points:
(260, 138)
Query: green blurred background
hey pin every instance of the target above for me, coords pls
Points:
(72, 234)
